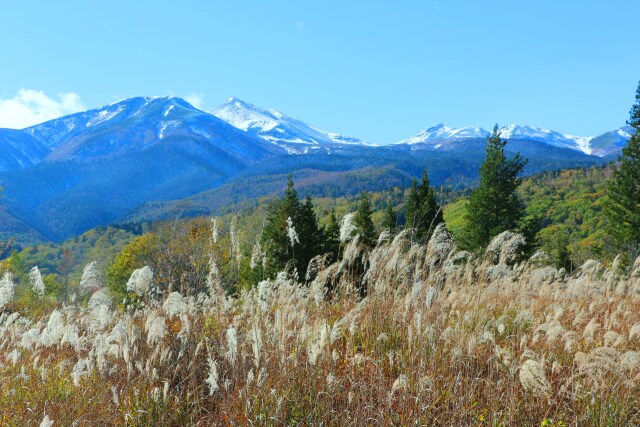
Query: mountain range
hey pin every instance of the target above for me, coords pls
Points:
(149, 158)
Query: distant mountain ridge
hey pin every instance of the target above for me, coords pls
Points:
(292, 134)
(157, 118)
(606, 144)
(140, 157)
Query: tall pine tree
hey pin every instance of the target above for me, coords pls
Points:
(494, 206)
(276, 241)
(423, 212)
(331, 243)
(310, 234)
(389, 220)
(622, 205)
(364, 222)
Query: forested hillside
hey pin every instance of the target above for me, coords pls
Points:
(568, 203)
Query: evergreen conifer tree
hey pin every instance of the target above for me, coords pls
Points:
(413, 201)
(622, 205)
(364, 222)
(494, 206)
(276, 234)
(332, 236)
(389, 220)
(423, 212)
(311, 235)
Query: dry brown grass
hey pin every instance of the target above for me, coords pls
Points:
(439, 339)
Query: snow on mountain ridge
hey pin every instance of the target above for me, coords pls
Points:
(276, 127)
(439, 132)
(104, 115)
(550, 137)
(436, 134)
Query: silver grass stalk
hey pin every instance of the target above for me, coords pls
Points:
(400, 383)
(212, 378)
(157, 331)
(291, 232)
(232, 345)
(46, 421)
(37, 284)
(347, 227)
(140, 280)
(90, 281)
(257, 255)
(7, 288)
(533, 378)
(54, 331)
(256, 342)
(214, 230)
(174, 305)
(634, 332)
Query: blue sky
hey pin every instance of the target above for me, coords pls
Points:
(378, 70)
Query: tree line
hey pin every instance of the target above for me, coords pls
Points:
(493, 207)
(292, 236)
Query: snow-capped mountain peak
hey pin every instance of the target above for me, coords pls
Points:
(547, 136)
(246, 116)
(444, 136)
(440, 132)
(278, 128)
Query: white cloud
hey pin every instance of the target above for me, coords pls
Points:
(30, 107)
(195, 99)
(299, 25)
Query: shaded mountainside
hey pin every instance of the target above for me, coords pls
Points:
(19, 150)
(569, 201)
(162, 149)
(353, 171)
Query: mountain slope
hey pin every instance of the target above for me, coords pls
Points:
(116, 158)
(350, 172)
(19, 150)
(271, 125)
(139, 123)
(611, 143)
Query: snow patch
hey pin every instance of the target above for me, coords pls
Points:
(104, 115)
(201, 132)
(624, 134)
(167, 125)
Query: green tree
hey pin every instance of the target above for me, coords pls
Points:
(332, 236)
(494, 206)
(423, 212)
(274, 237)
(276, 241)
(310, 234)
(563, 256)
(389, 220)
(364, 222)
(622, 205)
